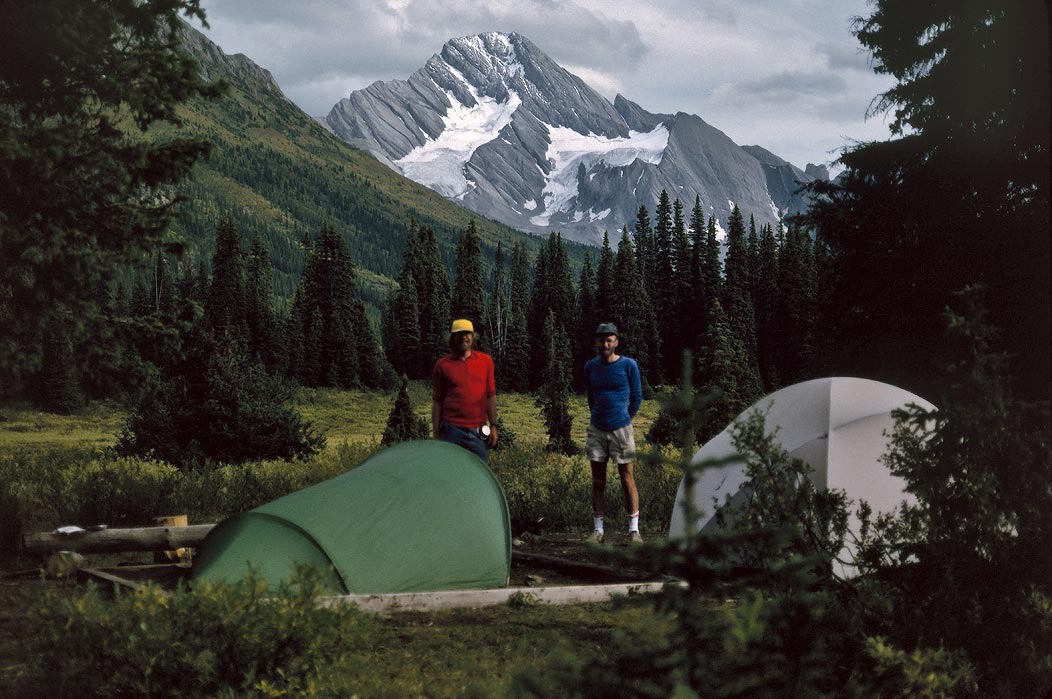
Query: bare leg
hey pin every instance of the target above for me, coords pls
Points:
(628, 484)
(598, 488)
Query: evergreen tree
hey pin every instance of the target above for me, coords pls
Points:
(911, 220)
(260, 318)
(79, 83)
(793, 319)
(468, 298)
(605, 281)
(552, 291)
(554, 394)
(60, 390)
(517, 363)
(433, 293)
(633, 313)
(723, 368)
(644, 246)
(765, 299)
(225, 307)
(701, 289)
(680, 332)
(404, 327)
(331, 317)
(737, 298)
(402, 424)
(663, 271)
(217, 405)
(587, 319)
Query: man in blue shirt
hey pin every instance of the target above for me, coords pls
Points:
(614, 395)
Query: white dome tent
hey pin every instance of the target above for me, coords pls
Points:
(839, 426)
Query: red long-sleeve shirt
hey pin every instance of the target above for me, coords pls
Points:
(462, 387)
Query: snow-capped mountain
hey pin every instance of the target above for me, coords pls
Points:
(493, 123)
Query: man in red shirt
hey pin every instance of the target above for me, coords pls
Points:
(464, 394)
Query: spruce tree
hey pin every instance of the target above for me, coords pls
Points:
(554, 394)
(793, 321)
(605, 280)
(723, 367)
(60, 390)
(225, 304)
(261, 321)
(633, 313)
(331, 317)
(217, 404)
(404, 327)
(587, 319)
(468, 299)
(403, 424)
(662, 270)
(682, 296)
(433, 295)
(644, 244)
(765, 295)
(83, 190)
(552, 291)
(517, 362)
(737, 298)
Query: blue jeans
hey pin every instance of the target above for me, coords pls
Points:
(463, 437)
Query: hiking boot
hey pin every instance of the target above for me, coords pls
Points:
(595, 537)
(634, 537)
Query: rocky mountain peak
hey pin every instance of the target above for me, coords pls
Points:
(493, 122)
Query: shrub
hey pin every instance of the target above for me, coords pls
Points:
(218, 406)
(403, 424)
(219, 640)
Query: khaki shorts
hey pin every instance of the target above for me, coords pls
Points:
(618, 445)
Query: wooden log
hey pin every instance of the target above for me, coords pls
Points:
(118, 540)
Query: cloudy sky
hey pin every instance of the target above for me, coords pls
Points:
(784, 74)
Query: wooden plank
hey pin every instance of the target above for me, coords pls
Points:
(458, 599)
(118, 540)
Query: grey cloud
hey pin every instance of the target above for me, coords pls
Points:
(787, 85)
(840, 55)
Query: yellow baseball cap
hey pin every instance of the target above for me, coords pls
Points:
(462, 325)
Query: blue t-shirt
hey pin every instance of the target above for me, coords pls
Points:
(614, 391)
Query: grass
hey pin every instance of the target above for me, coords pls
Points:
(442, 654)
(452, 653)
(25, 428)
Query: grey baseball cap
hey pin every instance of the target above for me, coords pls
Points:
(607, 329)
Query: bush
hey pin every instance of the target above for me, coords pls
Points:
(403, 424)
(218, 406)
(41, 490)
(219, 640)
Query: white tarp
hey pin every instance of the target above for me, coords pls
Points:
(840, 426)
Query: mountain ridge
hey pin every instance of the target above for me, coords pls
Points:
(276, 171)
(494, 123)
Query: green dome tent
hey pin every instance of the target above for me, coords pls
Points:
(418, 516)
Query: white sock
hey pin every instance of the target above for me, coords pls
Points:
(633, 522)
(598, 523)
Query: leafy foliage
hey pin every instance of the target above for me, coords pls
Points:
(218, 640)
(218, 405)
(980, 468)
(83, 191)
(553, 396)
(960, 196)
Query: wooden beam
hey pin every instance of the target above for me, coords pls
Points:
(118, 540)
(460, 599)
